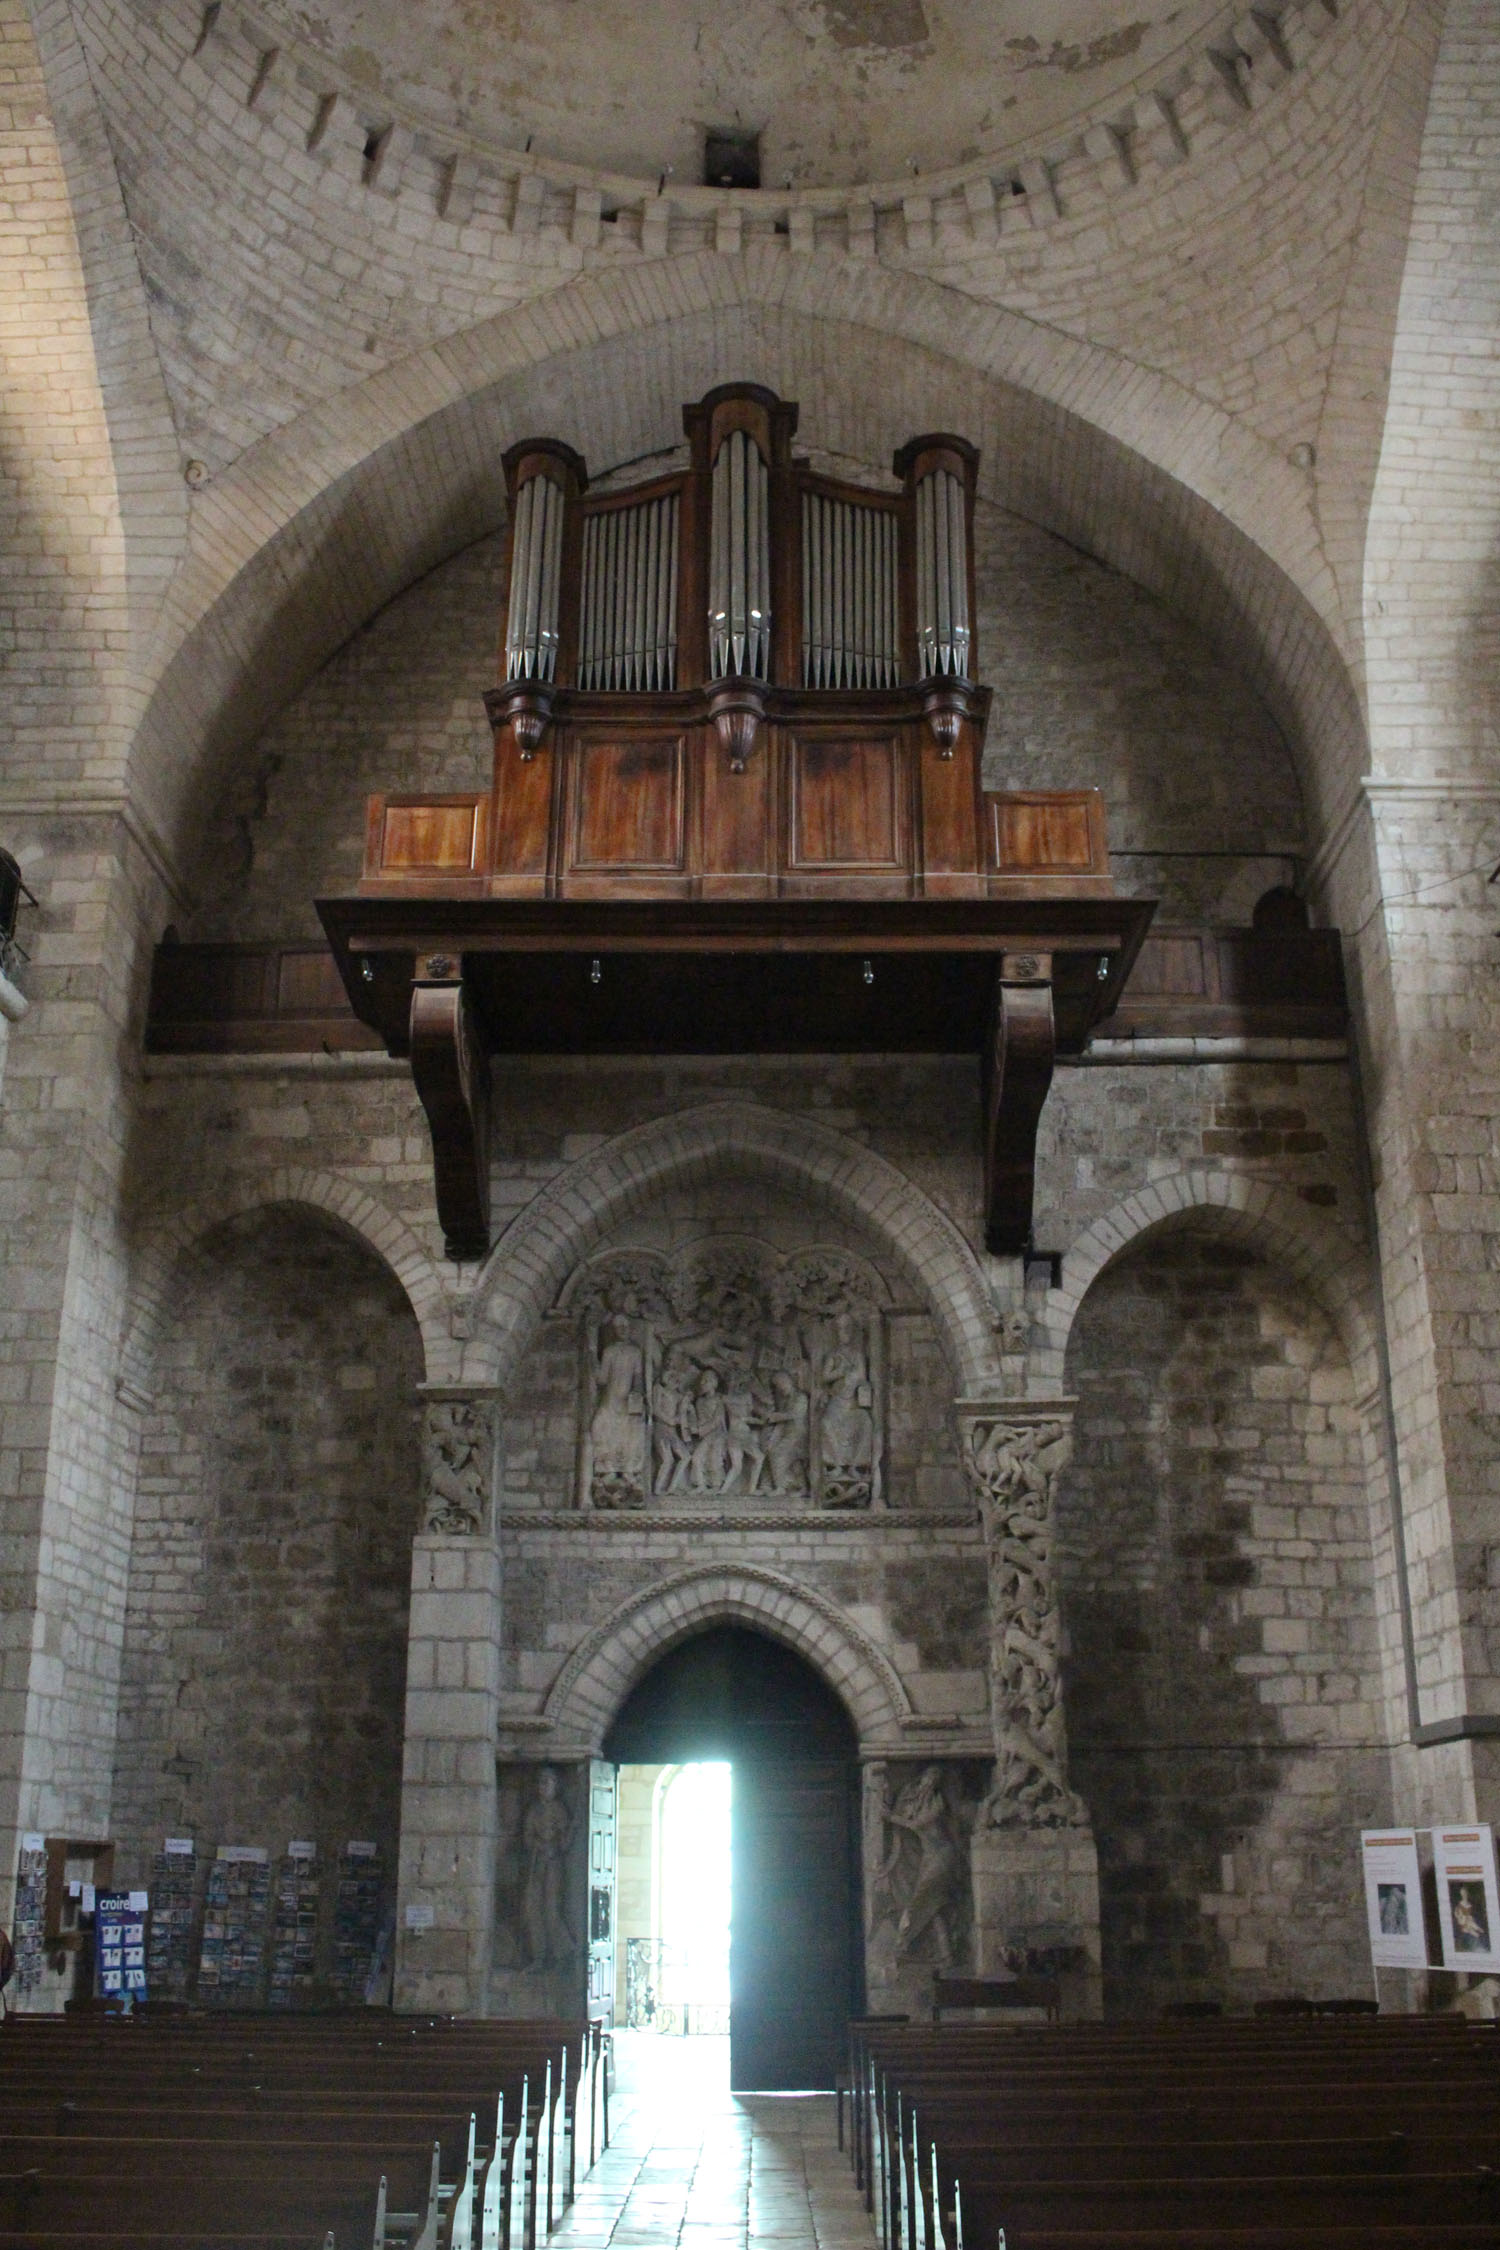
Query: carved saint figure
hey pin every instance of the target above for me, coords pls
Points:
(929, 1898)
(672, 1444)
(784, 1434)
(847, 1430)
(546, 1834)
(617, 1430)
(710, 1426)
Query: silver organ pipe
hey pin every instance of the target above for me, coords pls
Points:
(739, 579)
(850, 605)
(535, 581)
(944, 632)
(627, 636)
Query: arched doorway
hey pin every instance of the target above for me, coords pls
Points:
(795, 1958)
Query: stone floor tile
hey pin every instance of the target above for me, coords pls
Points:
(693, 2167)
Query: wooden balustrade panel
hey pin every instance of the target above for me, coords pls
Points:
(1042, 833)
(848, 814)
(427, 836)
(627, 814)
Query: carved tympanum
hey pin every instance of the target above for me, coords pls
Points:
(458, 1452)
(1013, 1465)
(727, 1374)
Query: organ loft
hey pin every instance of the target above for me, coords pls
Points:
(748, 1185)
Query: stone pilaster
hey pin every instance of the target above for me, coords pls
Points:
(1035, 1870)
(448, 1796)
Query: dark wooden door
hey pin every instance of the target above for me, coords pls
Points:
(794, 1933)
(601, 1913)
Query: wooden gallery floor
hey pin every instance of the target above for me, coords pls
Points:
(691, 2164)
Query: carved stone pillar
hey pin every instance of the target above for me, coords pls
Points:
(1036, 1875)
(448, 1799)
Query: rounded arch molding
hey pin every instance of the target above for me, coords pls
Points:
(387, 1237)
(321, 523)
(523, 1274)
(1333, 1266)
(601, 1672)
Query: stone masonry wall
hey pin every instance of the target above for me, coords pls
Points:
(1223, 1677)
(265, 1644)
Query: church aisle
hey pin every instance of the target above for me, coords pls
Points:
(693, 2165)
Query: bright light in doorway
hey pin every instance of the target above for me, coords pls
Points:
(695, 1885)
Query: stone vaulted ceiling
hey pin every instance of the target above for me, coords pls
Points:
(840, 90)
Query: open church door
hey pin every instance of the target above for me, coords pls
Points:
(793, 1975)
(601, 1904)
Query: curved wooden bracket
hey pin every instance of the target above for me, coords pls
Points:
(1017, 1076)
(451, 1068)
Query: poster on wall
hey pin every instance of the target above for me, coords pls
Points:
(1393, 1898)
(1463, 1861)
(120, 1944)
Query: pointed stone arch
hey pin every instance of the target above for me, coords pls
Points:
(523, 1274)
(321, 523)
(1333, 1265)
(605, 1666)
(380, 1231)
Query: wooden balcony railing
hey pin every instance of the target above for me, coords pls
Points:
(289, 999)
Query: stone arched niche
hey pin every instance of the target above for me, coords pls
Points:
(1216, 1577)
(265, 1637)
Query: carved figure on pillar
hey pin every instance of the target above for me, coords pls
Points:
(1013, 1465)
(458, 1465)
(546, 1833)
(919, 1886)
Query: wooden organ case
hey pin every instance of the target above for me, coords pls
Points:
(737, 806)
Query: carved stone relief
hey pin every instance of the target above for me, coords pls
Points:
(541, 1842)
(727, 1373)
(458, 1464)
(919, 1887)
(1013, 1460)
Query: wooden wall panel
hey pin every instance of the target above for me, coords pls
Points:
(429, 836)
(523, 817)
(949, 850)
(846, 803)
(738, 825)
(1060, 832)
(629, 804)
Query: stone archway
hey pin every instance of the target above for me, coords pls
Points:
(602, 1670)
(528, 1267)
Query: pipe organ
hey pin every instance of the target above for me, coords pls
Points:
(737, 804)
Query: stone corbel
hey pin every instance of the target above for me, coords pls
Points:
(1013, 1451)
(460, 1455)
(1017, 1076)
(450, 1066)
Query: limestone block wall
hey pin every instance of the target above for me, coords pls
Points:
(264, 1666)
(1223, 1678)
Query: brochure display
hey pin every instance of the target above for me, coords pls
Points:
(1463, 1861)
(235, 1913)
(1393, 1898)
(28, 1934)
(294, 1929)
(120, 1944)
(356, 1919)
(169, 1936)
